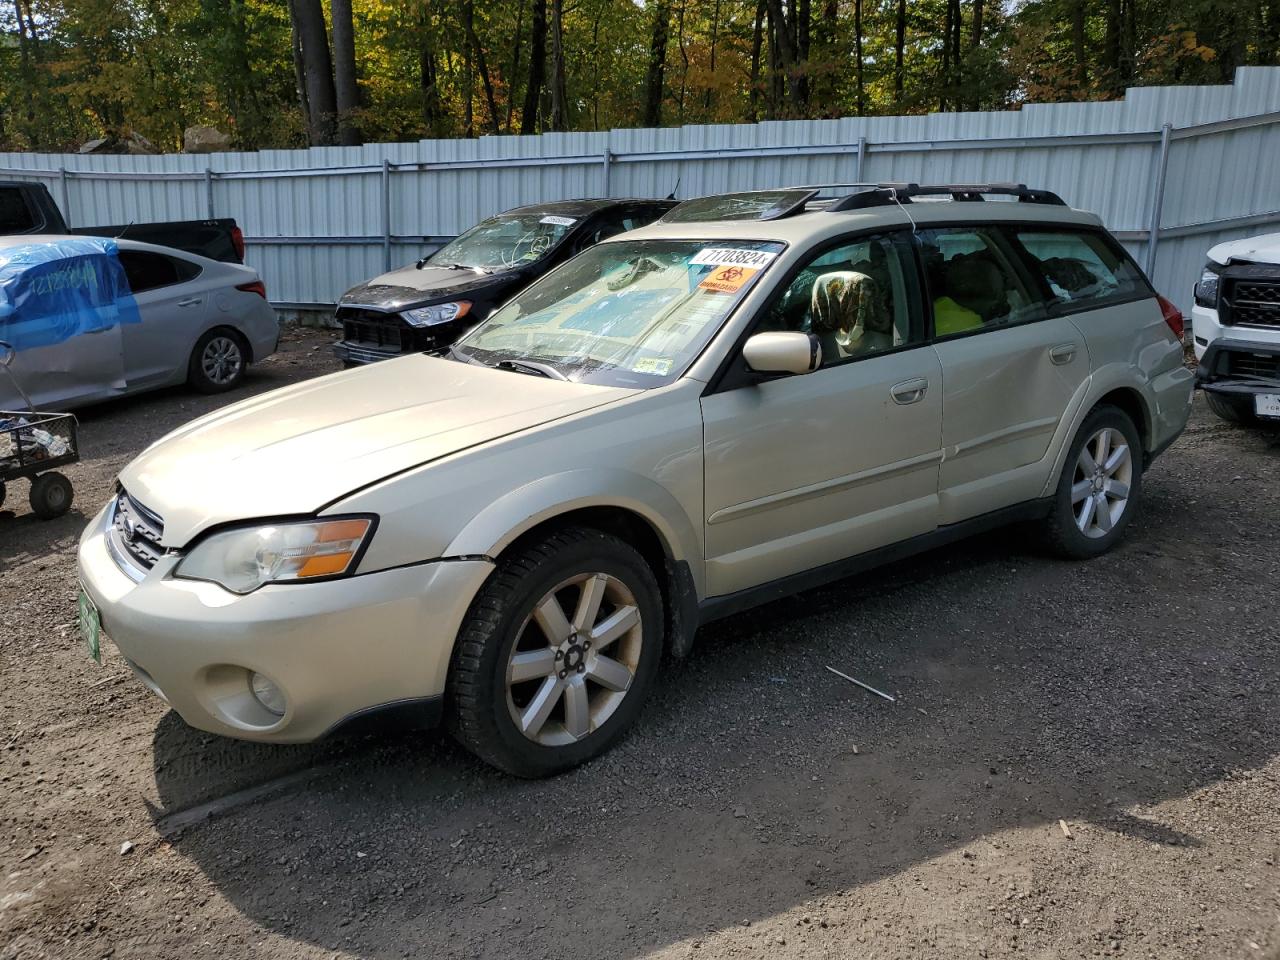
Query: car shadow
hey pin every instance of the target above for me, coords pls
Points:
(1028, 691)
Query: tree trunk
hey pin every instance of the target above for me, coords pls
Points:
(802, 13)
(708, 99)
(317, 69)
(559, 97)
(24, 61)
(1111, 44)
(899, 43)
(300, 77)
(784, 33)
(481, 66)
(944, 84)
(347, 93)
(1078, 12)
(857, 58)
(657, 63)
(537, 67)
(515, 64)
(428, 75)
(975, 29)
(757, 41)
(684, 61)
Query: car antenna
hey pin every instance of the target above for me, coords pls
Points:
(675, 190)
(123, 230)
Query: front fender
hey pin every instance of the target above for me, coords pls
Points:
(499, 524)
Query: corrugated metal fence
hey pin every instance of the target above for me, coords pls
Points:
(1172, 170)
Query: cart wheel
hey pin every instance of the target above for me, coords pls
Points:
(51, 495)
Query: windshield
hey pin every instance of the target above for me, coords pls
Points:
(505, 241)
(631, 313)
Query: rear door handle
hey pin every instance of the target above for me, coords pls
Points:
(189, 302)
(909, 391)
(1063, 353)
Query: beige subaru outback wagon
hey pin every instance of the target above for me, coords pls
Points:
(756, 394)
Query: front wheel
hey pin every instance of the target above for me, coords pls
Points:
(1098, 491)
(557, 654)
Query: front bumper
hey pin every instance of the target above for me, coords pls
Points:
(354, 352)
(1239, 367)
(335, 649)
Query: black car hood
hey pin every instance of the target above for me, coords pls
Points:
(411, 287)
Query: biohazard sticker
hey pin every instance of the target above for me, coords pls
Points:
(727, 279)
(731, 256)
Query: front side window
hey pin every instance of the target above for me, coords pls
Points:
(855, 298)
(15, 215)
(1080, 268)
(506, 241)
(628, 313)
(974, 280)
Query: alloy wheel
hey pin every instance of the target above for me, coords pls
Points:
(1100, 489)
(221, 360)
(569, 672)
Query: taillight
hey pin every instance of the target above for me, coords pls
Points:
(260, 288)
(237, 241)
(1172, 316)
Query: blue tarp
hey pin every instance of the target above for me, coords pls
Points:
(58, 289)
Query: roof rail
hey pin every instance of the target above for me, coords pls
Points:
(882, 194)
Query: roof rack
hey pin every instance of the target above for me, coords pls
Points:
(882, 194)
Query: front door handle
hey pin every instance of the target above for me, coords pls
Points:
(909, 391)
(1063, 353)
(189, 302)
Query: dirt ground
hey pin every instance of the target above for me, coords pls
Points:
(763, 807)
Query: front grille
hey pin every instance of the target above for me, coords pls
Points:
(1254, 303)
(389, 332)
(135, 534)
(1252, 365)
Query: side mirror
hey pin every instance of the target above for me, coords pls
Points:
(783, 352)
(6, 354)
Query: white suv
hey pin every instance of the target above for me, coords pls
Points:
(1236, 326)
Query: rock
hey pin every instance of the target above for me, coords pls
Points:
(740, 813)
(202, 139)
(101, 145)
(126, 847)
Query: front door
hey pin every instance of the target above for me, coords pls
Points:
(805, 470)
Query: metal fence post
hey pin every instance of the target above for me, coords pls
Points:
(66, 196)
(1157, 198)
(386, 214)
(208, 191)
(862, 153)
(605, 160)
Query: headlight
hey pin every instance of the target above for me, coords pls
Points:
(1207, 288)
(244, 559)
(436, 313)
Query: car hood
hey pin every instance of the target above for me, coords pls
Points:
(1264, 249)
(295, 450)
(411, 287)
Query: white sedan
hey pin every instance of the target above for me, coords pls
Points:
(198, 321)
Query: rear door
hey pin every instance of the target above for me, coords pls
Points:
(1010, 368)
(806, 470)
(173, 301)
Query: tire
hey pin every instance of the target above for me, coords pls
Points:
(1231, 409)
(483, 709)
(218, 361)
(51, 495)
(1076, 529)
(3, 492)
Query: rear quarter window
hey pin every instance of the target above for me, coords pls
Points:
(15, 215)
(1081, 269)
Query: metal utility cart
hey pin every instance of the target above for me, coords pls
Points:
(32, 444)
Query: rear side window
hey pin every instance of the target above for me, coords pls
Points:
(147, 271)
(15, 215)
(1081, 269)
(976, 280)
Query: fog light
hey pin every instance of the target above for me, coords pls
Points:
(267, 693)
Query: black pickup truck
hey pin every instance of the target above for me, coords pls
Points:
(28, 208)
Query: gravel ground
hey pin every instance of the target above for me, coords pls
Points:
(763, 807)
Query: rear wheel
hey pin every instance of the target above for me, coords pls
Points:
(557, 655)
(51, 495)
(1231, 409)
(218, 361)
(1098, 491)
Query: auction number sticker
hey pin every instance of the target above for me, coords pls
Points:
(727, 279)
(732, 257)
(558, 221)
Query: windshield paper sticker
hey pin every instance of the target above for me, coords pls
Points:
(728, 256)
(656, 365)
(558, 221)
(727, 279)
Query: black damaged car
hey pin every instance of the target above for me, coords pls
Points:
(426, 306)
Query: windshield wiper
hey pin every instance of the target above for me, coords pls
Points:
(451, 266)
(531, 367)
